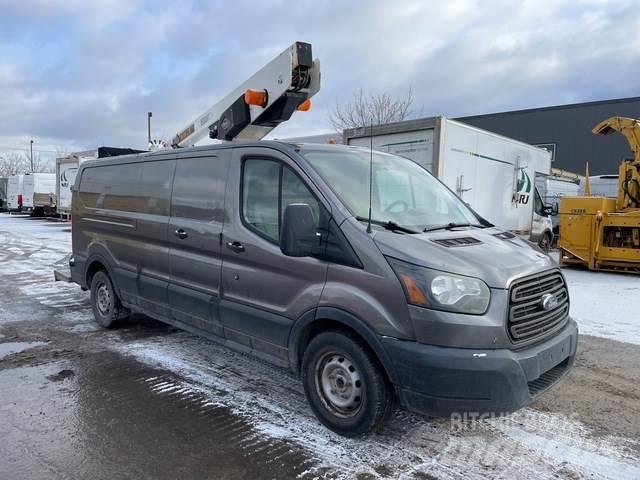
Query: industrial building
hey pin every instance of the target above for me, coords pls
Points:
(565, 130)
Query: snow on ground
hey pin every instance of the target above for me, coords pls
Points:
(605, 304)
(527, 444)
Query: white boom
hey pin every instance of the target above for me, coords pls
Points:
(280, 87)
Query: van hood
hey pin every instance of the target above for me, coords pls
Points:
(495, 259)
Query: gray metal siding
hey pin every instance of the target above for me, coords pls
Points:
(569, 127)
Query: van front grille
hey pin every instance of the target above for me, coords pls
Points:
(538, 306)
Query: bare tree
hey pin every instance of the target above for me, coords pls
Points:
(18, 163)
(41, 165)
(13, 164)
(370, 109)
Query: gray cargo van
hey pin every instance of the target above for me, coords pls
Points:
(267, 247)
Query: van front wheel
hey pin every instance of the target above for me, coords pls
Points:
(344, 384)
(545, 242)
(106, 305)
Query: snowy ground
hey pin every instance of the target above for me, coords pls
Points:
(267, 419)
(604, 304)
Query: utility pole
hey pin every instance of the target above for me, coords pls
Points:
(31, 154)
(149, 115)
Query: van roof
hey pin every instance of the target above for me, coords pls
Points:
(276, 144)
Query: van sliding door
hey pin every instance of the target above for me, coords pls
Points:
(195, 226)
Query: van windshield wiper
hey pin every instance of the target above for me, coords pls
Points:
(450, 225)
(389, 225)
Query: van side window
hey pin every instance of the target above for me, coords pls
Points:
(154, 188)
(142, 187)
(198, 188)
(268, 187)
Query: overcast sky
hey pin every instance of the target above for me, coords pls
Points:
(77, 74)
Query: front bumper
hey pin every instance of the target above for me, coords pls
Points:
(441, 381)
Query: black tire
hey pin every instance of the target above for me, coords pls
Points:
(356, 374)
(105, 303)
(545, 242)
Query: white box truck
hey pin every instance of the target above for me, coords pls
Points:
(67, 167)
(14, 193)
(495, 175)
(39, 193)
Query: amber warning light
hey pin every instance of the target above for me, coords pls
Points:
(305, 106)
(256, 97)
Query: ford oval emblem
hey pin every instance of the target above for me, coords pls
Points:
(548, 301)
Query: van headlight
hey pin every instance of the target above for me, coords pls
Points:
(440, 290)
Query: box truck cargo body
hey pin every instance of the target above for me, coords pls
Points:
(39, 192)
(67, 167)
(493, 174)
(3, 193)
(14, 192)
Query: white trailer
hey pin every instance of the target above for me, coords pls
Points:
(39, 193)
(495, 175)
(14, 193)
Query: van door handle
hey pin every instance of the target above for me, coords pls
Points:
(235, 246)
(180, 233)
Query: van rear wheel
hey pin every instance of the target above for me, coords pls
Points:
(344, 384)
(106, 305)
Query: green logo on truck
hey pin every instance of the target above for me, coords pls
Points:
(523, 190)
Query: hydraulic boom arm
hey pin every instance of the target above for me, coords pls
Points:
(262, 102)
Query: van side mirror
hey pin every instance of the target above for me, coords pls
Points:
(554, 209)
(298, 234)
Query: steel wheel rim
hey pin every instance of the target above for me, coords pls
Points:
(339, 384)
(545, 244)
(103, 299)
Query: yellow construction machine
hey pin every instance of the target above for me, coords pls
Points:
(603, 233)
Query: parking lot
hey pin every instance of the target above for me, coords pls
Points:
(147, 400)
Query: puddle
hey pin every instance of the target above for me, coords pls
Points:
(10, 348)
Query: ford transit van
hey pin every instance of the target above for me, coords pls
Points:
(359, 270)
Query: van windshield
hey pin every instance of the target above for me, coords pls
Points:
(403, 192)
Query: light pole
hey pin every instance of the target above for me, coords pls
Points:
(149, 115)
(31, 154)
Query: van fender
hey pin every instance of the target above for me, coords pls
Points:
(303, 325)
(100, 254)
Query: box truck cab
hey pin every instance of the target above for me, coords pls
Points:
(358, 269)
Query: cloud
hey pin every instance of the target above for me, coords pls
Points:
(81, 74)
